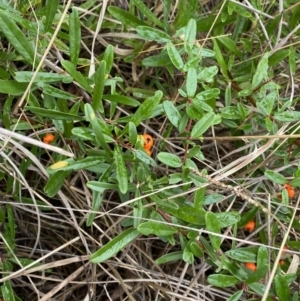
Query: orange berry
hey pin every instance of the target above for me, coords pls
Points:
(48, 138)
(250, 226)
(281, 262)
(251, 266)
(148, 151)
(290, 190)
(148, 141)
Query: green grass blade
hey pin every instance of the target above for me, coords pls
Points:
(16, 37)
(74, 36)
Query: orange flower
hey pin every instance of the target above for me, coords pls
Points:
(290, 190)
(48, 138)
(250, 226)
(148, 141)
(251, 266)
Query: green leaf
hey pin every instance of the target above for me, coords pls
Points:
(45, 77)
(157, 60)
(236, 296)
(124, 17)
(96, 203)
(208, 94)
(282, 288)
(58, 93)
(203, 124)
(212, 225)
(142, 156)
(7, 291)
(153, 34)
(227, 219)
(220, 58)
(78, 77)
(242, 254)
(99, 78)
(108, 58)
(186, 11)
(188, 214)
(275, 177)
(147, 108)
(97, 125)
(229, 44)
(258, 275)
(156, 228)
(55, 182)
(207, 74)
(222, 280)
(16, 37)
(258, 288)
(71, 164)
(100, 186)
(174, 256)
(169, 159)
(261, 72)
(289, 116)
(121, 169)
(53, 114)
(262, 257)
(196, 249)
(174, 56)
(190, 34)
(11, 87)
(191, 82)
(147, 12)
(132, 133)
(50, 12)
(171, 112)
(74, 36)
(114, 246)
(122, 99)
(187, 255)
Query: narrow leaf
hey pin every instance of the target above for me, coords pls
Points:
(275, 177)
(74, 36)
(169, 159)
(222, 280)
(147, 12)
(79, 78)
(174, 55)
(122, 99)
(156, 228)
(45, 77)
(282, 288)
(51, 9)
(53, 114)
(191, 82)
(153, 34)
(212, 225)
(122, 175)
(171, 112)
(261, 72)
(99, 78)
(114, 246)
(11, 87)
(203, 124)
(55, 182)
(124, 17)
(16, 37)
(147, 108)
